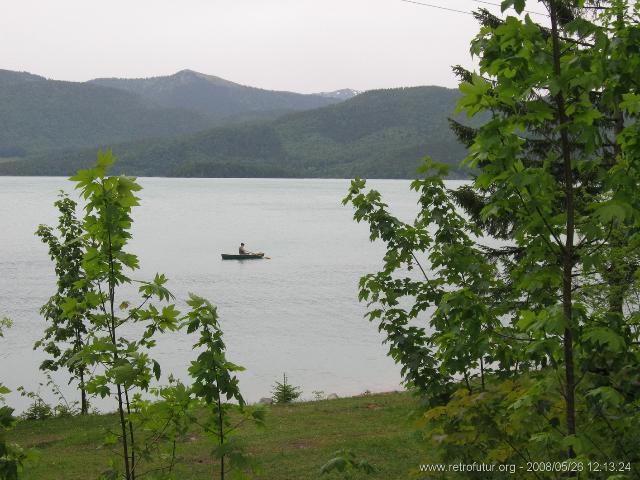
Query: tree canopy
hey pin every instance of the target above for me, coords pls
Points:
(520, 325)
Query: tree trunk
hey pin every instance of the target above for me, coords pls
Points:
(123, 420)
(132, 439)
(568, 250)
(123, 427)
(84, 404)
(220, 427)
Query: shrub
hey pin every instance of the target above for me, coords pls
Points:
(284, 392)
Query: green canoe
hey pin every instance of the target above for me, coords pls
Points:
(248, 256)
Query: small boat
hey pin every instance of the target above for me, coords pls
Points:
(246, 256)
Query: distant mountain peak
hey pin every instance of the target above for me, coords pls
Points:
(182, 77)
(342, 94)
(215, 97)
(190, 75)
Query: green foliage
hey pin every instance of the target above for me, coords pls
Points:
(380, 134)
(4, 324)
(121, 366)
(526, 348)
(214, 385)
(93, 265)
(161, 424)
(346, 462)
(12, 457)
(66, 334)
(284, 392)
(40, 409)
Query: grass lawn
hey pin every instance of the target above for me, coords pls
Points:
(299, 438)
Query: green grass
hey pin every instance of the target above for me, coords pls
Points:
(299, 438)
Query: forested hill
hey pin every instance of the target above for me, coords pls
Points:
(377, 134)
(9, 77)
(214, 96)
(37, 114)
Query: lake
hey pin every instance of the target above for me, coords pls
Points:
(296, 313)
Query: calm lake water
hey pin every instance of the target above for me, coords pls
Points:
(296, 313)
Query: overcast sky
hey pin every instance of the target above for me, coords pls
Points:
(297, 45)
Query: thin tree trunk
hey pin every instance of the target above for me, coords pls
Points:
(123, 421)
(132, 439)
(84, 406)
(568, 251)
(221, 444)
(466, 381)
(220, 427)
(123, 427)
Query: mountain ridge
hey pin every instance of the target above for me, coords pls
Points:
(9, 77)
(214, 96)
(377, 134)
(39, 114)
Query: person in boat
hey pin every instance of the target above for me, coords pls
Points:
(243, 251)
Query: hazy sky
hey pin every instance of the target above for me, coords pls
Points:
(298, 45)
